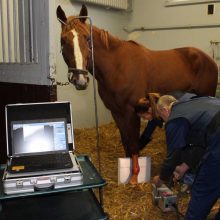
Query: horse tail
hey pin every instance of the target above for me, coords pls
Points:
(205, 72)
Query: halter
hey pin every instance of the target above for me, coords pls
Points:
(74, 71)
(90, 43)
(90, 40)
(78, 71)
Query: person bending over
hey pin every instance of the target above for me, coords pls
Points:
(144, 110)
(193, 122)
(190, 155)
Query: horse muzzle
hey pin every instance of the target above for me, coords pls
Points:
(79, 78)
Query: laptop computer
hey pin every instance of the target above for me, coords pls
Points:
(38, 142)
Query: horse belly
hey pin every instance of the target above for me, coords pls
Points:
(168, 77)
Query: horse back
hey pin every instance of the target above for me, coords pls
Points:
(203, 70)
(186, 69)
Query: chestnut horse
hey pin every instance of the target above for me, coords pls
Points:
(126, 71)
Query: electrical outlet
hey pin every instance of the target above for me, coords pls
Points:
(210, 9)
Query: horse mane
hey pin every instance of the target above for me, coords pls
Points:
(134, 42)
(104, 35)
(107, 39)
(72, 22)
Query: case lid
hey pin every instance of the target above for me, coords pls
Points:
(45, 112)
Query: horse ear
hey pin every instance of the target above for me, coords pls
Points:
(61, 15)
(84, 13)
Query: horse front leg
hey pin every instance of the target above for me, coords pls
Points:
(129, 127)
(135, 169)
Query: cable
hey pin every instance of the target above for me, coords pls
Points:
(176, 211)
(178, 214)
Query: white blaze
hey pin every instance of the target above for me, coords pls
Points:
(77, 51)
(78, 55)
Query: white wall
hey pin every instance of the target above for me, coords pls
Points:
(153, 14)
(83, 101)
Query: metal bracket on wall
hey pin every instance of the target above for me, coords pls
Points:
(170, 3)
(214, 42)
(164, 28)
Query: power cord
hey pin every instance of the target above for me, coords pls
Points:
(178, 214)
(174, 205)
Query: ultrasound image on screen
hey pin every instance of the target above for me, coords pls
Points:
(38, 136)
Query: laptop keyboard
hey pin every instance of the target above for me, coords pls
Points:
(41, 163)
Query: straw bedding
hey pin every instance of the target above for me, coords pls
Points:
(125, 201)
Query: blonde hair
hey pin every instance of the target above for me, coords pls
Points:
(165, 101)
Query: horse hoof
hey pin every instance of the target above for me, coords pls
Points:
(133, 180)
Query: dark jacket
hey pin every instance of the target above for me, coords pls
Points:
(188, 131)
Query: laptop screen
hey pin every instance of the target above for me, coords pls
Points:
(38, 136)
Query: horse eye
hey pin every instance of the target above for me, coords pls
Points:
(88, 38)
(89, 41)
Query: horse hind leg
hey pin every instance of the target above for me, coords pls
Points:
(205, 75)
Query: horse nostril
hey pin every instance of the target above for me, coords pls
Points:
(70, 76)
(81, 87)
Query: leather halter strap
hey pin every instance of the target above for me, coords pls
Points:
(75, 70)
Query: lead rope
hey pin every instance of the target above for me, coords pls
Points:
(96, 113)
(95, 100)
(95, 104)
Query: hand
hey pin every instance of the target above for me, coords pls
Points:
(180, 171)
(157, 181)
(176, 176)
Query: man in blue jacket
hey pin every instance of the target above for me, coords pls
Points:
(195, 122)
(142, 107)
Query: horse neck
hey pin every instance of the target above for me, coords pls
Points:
(105, 45)
(105, 40)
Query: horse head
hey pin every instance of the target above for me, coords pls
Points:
(75, 46)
